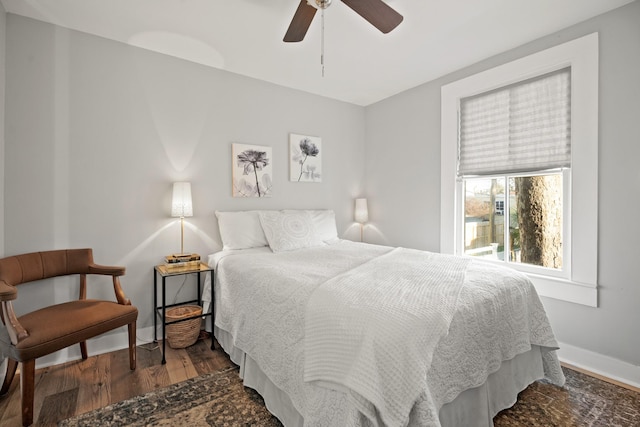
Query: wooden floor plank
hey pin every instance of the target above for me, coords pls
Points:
(179, 365)
(7, 401)
(148, 355)
(52, 380)
(205, 360)
(58, 407)
(12, 413)
(149, 375)
(153, 378)
(94, 391)
(123, 379)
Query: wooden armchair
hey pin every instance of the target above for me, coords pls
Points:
(52, 328)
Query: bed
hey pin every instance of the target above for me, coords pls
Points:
(337, 333)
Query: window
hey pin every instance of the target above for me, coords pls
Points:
(531, 232)
(510, 141)
(519, 156)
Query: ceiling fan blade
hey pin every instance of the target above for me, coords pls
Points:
(300, 22)
(377, 12)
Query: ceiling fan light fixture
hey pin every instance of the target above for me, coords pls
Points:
(322, 4)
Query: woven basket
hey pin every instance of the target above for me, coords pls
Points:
(183, 334)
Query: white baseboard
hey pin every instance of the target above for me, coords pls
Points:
(99, 345)
(600, 364)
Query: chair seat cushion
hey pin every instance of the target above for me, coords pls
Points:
(56, 327)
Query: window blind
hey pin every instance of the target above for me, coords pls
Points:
(518, 128)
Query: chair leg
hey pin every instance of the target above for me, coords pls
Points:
(83, 350)
(12, 365)
(132, 345)
(27, 383)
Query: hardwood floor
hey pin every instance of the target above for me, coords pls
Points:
(73, 388)
(77, 387)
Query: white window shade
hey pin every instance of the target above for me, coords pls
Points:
(518, 128)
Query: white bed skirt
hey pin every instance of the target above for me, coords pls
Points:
(476, 406)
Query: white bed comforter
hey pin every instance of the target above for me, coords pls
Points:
(371, 331)
(261, 299)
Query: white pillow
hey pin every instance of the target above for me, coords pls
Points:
(240, 230)
(289, 230)
(325, 223)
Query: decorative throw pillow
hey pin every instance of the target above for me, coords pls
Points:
(240, 230)
(325, 222)
(289, 230)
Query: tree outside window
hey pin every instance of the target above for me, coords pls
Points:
(525, 223)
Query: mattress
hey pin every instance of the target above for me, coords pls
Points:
(498, 328)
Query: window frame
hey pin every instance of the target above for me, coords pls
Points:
(581, 204)
(561, 273)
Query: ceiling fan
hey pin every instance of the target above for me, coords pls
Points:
(377, 12)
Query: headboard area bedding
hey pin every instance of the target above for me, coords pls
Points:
(253, 229)
(333, 332)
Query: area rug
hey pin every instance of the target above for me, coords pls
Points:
(584, 401)
(215, 399)
(220, 399)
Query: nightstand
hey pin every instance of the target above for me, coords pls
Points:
(161, 310)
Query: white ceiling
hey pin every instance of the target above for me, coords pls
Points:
(362, 65)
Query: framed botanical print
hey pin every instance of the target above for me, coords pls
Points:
(305, 158)
(252, 170)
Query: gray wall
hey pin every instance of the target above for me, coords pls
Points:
(3, 32)
(98, 131)
(403, 180)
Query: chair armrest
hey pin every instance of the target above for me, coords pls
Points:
(106, 270)
(7, 292)
(120, 296)
(15, 330)
(115, 272)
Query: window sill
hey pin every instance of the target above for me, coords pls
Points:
(565, 290)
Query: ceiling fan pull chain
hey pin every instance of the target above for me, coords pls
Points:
(322, 45)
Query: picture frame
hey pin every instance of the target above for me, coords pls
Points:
(252, 170)
(305, 158)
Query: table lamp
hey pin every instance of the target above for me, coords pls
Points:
(361, 215)
(181, 206)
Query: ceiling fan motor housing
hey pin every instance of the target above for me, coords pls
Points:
(321, 4)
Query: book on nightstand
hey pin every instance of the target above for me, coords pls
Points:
(181, 261)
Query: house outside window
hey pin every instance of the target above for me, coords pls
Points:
(519, 168)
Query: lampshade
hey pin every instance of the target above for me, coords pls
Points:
(181, 204)
(361, 213)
